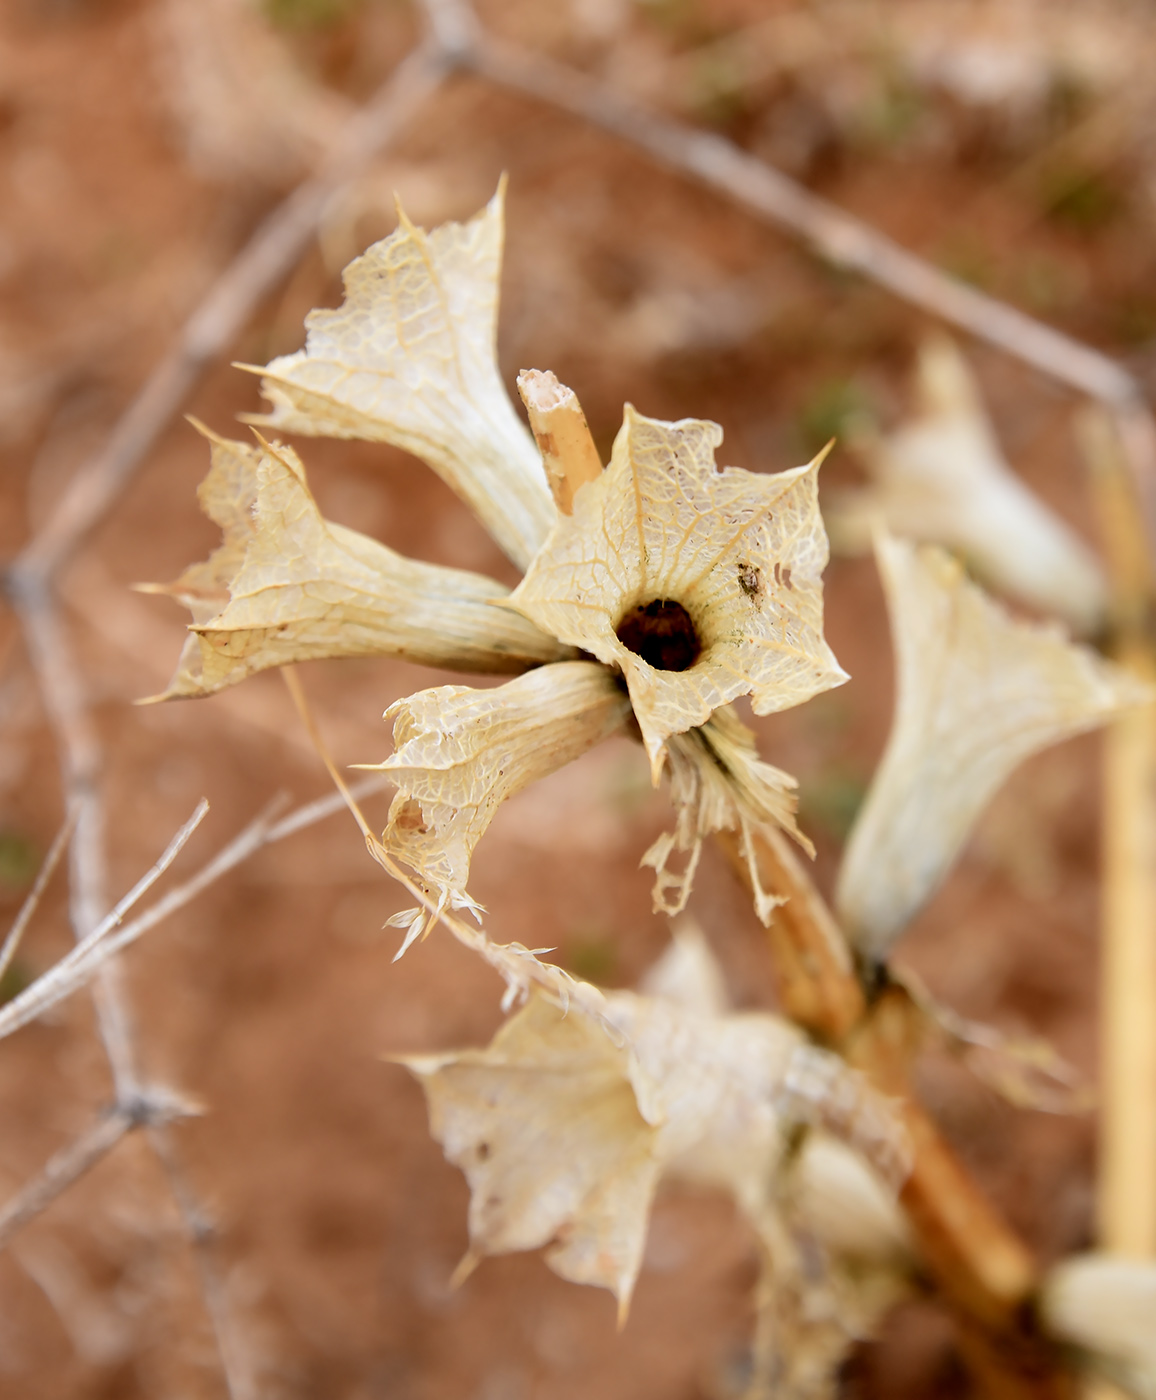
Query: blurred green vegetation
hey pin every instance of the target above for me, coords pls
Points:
(19, 860)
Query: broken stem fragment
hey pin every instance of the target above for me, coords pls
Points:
(562, 434)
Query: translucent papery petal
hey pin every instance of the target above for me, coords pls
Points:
(409, 359)
(565, 1123)
(461, 752)
(978, 692)
(942, 479)
(718, 783)
(287, 585)
(741, 553)
(547, 1129)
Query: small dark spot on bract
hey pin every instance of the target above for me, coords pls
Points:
(410, 817)
(749, 580)
(483, 1151)
(662, 632)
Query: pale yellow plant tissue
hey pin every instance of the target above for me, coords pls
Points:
(287, 585)
(741, 553)
(1105, 1305)
(409, 359)
(941, 478)
(690, 585)
(978, 692)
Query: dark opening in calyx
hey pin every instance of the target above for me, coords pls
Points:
(662, 633)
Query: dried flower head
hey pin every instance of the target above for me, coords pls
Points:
(688, 585)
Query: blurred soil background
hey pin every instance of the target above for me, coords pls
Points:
(140, 142)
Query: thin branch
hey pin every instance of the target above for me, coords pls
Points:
(66, 1167)
(28, 908)
(79, 965)
(839, 237)
(323, 807)
(270, 254)
(202, 1236)
(80, 759)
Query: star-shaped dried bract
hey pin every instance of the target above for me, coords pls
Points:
(565, 1123)
(287, 585)
(409, 359)
(942, 479)
(700, 585)
(978, 692)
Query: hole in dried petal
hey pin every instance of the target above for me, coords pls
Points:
(662, 633)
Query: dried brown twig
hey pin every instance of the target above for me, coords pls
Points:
(835, 235)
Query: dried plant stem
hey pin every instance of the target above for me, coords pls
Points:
(1127, 1178)
(979, 1263)
(80, 761)
(818, 987)
(28, 908)
(59, 1173)
(835, 235)
(562, 434)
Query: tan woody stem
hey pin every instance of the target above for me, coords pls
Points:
(561, 432)
(981, 1266)
(1127, 1186)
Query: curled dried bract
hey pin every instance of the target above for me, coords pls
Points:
(978, 692)
(287, 585)
(700, 585)
(461, 752)
(566, 1122)
(408, 359)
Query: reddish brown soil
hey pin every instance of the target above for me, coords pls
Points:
(273, 1001)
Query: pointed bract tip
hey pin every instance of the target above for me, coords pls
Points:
(823, 453)
(466, 1266)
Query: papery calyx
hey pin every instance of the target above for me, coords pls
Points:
(286, 585)
(409, 359)
(460, 752)
(977, 692)
(700, 585)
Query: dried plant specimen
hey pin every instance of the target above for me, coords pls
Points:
(978, 692)
(566, 1122)
(942, 479)
(409, 359)
(287, 585)
(719, 783)
(691, 585)
(700, 585)
(461, 752)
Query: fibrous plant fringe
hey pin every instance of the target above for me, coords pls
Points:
(687, 587)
